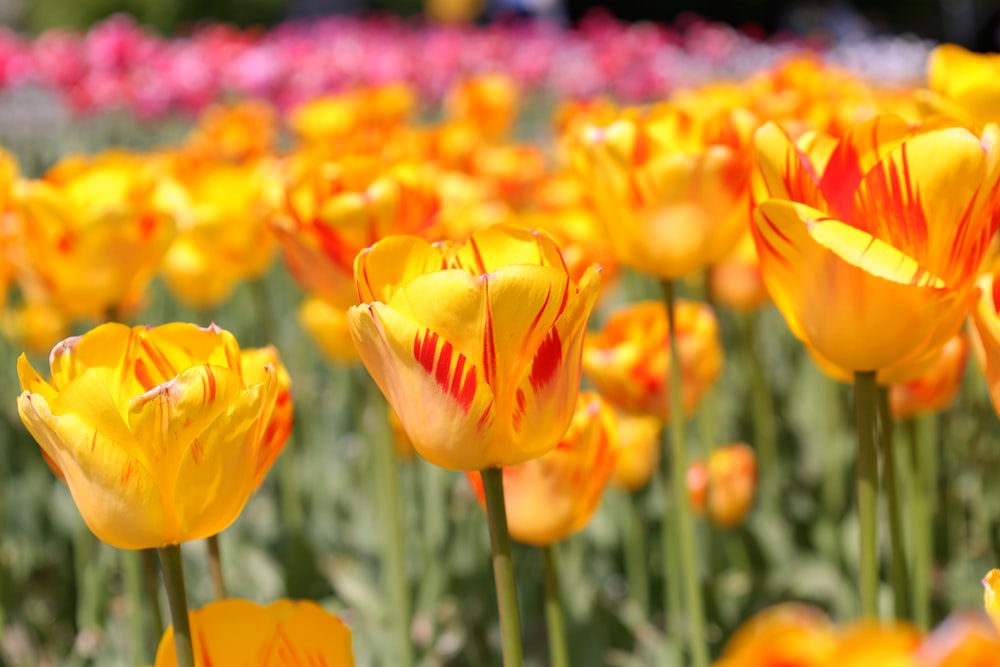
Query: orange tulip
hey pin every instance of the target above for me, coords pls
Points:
(872, 256)
(567, 482)
(936, 389)
(489, 102)
(477, 347)
(629, 359)
(671, 188)
(285, 633)
(788, 634)
(238, 133)
(725, 487)
(963, 640)
(639, 451)
(736, 281)
(155, 430)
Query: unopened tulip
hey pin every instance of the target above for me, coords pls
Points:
(629, 358)
(155, 430)
(568, 482)
(477, 347)
(639, 451)
(285, 633)
(937, 388)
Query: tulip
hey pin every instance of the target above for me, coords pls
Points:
(864, 291)
(963, 639)
(629, 358)
(964, 84)
(788, 634)
(155, 430)
(256, 364)
(477, 347)
(986, 334)
(936, 389)
(736, 281)
(671, 188)
(724, 487)
(240, 133)
(94, 234)
(489, 102)
(568, 481)
(991, 596)
(241, 632)
(326, 325)
(639, 453)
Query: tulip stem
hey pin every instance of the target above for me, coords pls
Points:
(684, 521)
(132, 580)
(900, 567)
(393, 548)
(636, 573)
(503, 567)
(173, 579)
(215, 568)
(554, 621)
(867, 489)
(764, 439)
(151, 581)
(921, 491)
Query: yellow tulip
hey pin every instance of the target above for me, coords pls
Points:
(872, 256)
(629, 358)
(671, 188)
(155, 430)
(477, 347)
(568, 481)
(285, 633)
(991, 596)
(935, 389)
(94, 233)
(256, 364)
(34, 327)
(326, 324)
(639, 451)
(964, 84)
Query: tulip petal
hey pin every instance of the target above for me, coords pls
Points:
(115, 493)
(786, 171)
(171, 348)
(31, 380)
(301, 624)
(393, 261)
(441, 397)
(858, 301)
(326, 325)
(501, 245)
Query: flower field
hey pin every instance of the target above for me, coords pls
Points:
(364, 342)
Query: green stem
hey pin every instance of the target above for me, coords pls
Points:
(173, 579)
(503, 568)
(684, 520)
(151, 582)
(918, 512)
(635, 555)
(215, 568)
(132, 579)
(558, 649)
(764, 438)
(672, 579)
(900, 573)
(867, 489)
(87, 575)
(393, 548)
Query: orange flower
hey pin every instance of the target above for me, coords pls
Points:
(671, 188)
(477, 347)
(489, 102)
(788, 634)
(963, 640)
(639, 452)
(567, 482)
(736, 281)
(629, 359)
(871, 256)
(285, 633)
(936, 389)
(241, 132)
(725, 487)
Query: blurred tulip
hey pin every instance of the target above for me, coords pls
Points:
(285, 633)
(326, 325)
(629, 358)
(240, 133)
(34, 327)
(962, 640)
(489, 102)
(568, 481)
(872, 257)
(94, 234)
(936, 389)
(639, 453)
(156, 432)
(874, 644)
(223, 237)
(513, 172)
(476, 347)
(787, 634)
(725, 487)
(257, 364)
(991, 596)
(671, 188)
(736, 281)
(964, 84)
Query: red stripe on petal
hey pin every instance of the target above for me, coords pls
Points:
(547, 360)
(489, 340)
(458, 382)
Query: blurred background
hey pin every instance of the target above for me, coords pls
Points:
(972, 23)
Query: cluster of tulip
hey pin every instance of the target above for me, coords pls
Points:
(117, 64)
(461, 270)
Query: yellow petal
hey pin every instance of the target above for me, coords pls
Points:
(381, 269)
(441, 398)
(115, 493)
(326, 325)
(31, 380)
(785, 171)
(991, 596)
(501, 245)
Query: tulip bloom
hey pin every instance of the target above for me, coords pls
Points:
(568, 481)
(871, 257)
(477, 347)
(787, 634)
(629, 359)
(256, 364)
(724, 488)
(671, 189)
(283, 633)
(964, 84)
(639, 452)
(155, 430)
(488, 102)
(991, 596)
(935, 389)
